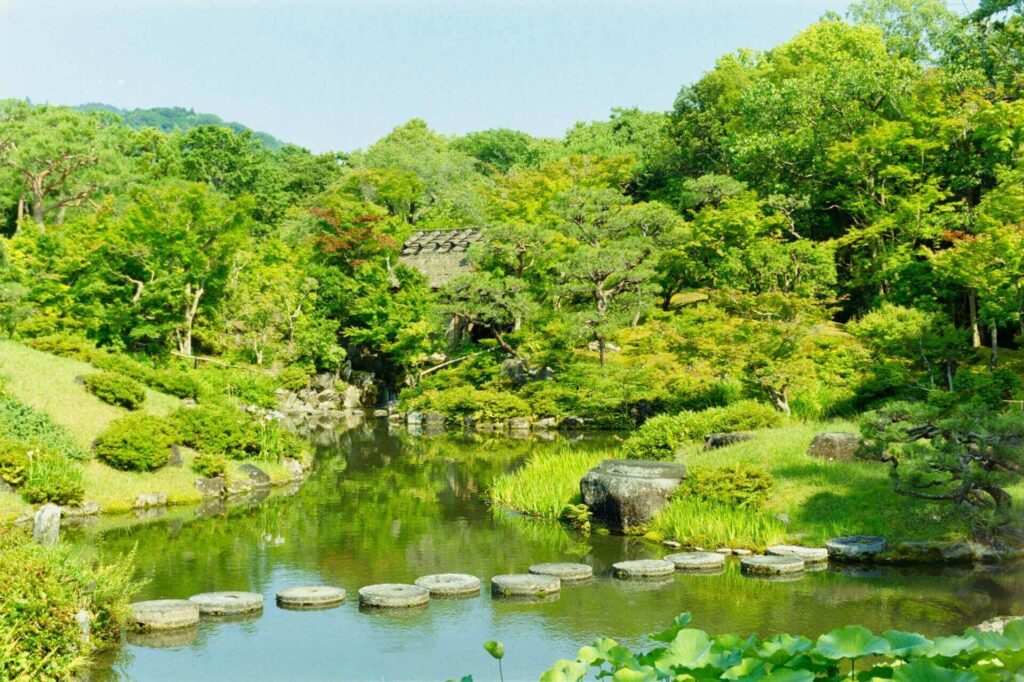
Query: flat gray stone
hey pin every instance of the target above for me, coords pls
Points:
(855, 547)
(771, 565)
(643, 568)
(163, 614)
(566, 572)
(688, 561)
(227, 603)
(524, 585)
(449, 584)
(393, 596)
(210, 487)
(310, 596)
(810, 555)
(256, 475)
(627, 493)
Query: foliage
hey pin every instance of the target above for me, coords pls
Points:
(14, 461)
(43, 590)
(52, 477)
(20, 422)
(465, 403)
(217, 430)
(115, 389)
(739, 485)
(209, 466)
(546, 483)
(701, 522)
(660, 437)
(136, 442)
(684, 651)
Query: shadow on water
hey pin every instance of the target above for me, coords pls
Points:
(385, 507)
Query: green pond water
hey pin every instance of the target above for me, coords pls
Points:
(389, 508)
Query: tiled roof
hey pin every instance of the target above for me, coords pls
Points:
(439, 254)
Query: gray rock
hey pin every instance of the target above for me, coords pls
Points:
(255, 474)
(671, 544)
(307, 597)
(519, 424)
(414, 418)
(771, 565)
(571, 424)
(626, 494)
(295, 468)
(713, 441)
(87, 508)
(996, 625)
(227, 603)
(393, 596)
(524, 585)
(238, 486)
(545, 424)
(163, 614)
(433, 419)
(810, 555)
(566, 572)
(928, 552)
(449, 584)
(84, 621)
(46, 525)
(835, 446)
(210, 487)
(516, 370)
(690, 561)
(643, 568)
(176, 459)
(146, 500)
(855, 547)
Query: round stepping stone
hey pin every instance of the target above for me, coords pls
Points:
(690, 561)
(450, 584)
(227, 603)
(393, 596)
(524, 585)
(163, 639)
(312, 596)
(810, 555)
(855, 547)
(164, 614)
(564, 571)
(771, 565)
(643, 568)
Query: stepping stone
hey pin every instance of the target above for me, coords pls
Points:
(164, 614)
(227, 603)
(771, 565)
(450, 584)
(810, 555)
(524, 585)
(855, 547)
(310, 597)
(163, 639)
(393, 596)
(689, 561)
(644, 568)
(564, 571)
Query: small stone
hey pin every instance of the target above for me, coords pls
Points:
(414, 418)
(163, 614)
(686, 561)
(713, 441)
(380, 413)
(519, 424)
(771, 565)
(87, 508)
(433, 419)
(236, 486)
(741, 552)
(210, 487)
(46, 525)
(545, 424)
(810, 555)
(672, 544)
(727, 551)
(146, 500)
(310, 596)
(449, 584)
(294, 467)
(835, 446)
(393, 596)
(855, 547)
(227, 603)
(255, 474)
(996, 625)
(524, 585)
(84, 621)
(566, 572)
(643, 568)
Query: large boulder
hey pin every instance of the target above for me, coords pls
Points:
(626, 494)
(835, 446)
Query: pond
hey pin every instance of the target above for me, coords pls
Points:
(381, 507)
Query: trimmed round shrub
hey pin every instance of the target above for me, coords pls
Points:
(115, 389)
(740, 485)
(174, 382)
(137, 442)
(13, 462)
(65, 345)
(218, 430)
(659, 438)
(209, 466)
(293, 377)
(52, 477)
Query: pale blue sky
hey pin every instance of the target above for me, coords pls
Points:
(340, 74)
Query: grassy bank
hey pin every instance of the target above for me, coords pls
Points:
(810, 500)
(48, 384)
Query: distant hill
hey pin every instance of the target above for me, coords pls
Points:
(169, 119)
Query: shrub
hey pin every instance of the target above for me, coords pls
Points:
(44, 587)
(480, 405)
(293, 377)
(239, 385)
(660, 437)
(137, 442)
(52, 477)
(740, 485)
(65, 345)
(218, 429)
(209, 466)
(277, 442)
(115, 389)
(180, 384)
(13, 461)
(23, 423)
(122, 364)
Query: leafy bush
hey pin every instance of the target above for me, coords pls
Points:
(660, 437)
(682, 652)
(52, 477)
(740, 485)
(13, 461)
(238, 385)
(122, 364)
(65, 345)
(115, 389)
(23, 423)
(480, 405)
(293, 377)
(44, 587)
(218, 429)
(277, 442)
(178, 383)
(137, 442)
(209, 466)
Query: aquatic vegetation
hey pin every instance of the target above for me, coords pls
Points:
(546, 483)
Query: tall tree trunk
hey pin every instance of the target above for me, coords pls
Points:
(185, 332)
(995, 346)
(972, 305)
(779, 399)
